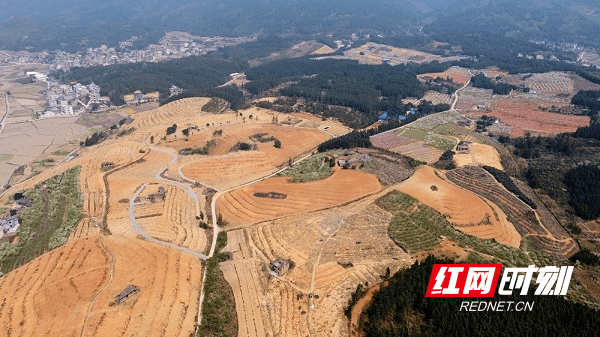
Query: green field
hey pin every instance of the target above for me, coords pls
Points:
(440, 142)
(310, 169)
(218, 308)
(6, 157)
(60, 153)
(416, 227)
(47, 224)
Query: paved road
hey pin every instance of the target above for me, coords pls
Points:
(148, 237)
(456, 93)
(3, 119)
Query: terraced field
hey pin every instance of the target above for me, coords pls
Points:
(173, 220)
(225, 170)
(432, 96)
(241, 207)
(340, 248)
(479, 154)
(466, 211)
(521, 215)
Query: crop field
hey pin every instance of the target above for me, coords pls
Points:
(479, 154)
(525, 117)
(374, 53)
(414, 141)
(173, 220)
(341, 248)
(468, 212)
(226, 170)
(549, 240)
(420, 151)
(241, 207)
(231, 134)
(167, 303)
(419, 228)
(432, 121)
(458, 75)
(310, 169)
(433, 96)
(390, 140)
(50, 295)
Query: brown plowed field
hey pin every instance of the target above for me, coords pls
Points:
(340, 248)
(228, 170)
(465, 210)
(458, 75)
(524, 117)
(479, 154)
(167, 304)
(49, 296)
(290, 146)
(547, 239)
(172, 220)
(240, 207)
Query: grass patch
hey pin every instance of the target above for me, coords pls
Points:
(415, 133)
(47, 224)
(417, 227)
(310, 169)
(60, 153)
(215, 105)
(6, 157)
(440, 142)
(218, 308)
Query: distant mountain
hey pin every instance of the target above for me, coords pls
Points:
(77, 23)
(559, 21)
(72, 25)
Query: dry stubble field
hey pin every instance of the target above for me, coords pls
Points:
(340, 248)
(241, 207)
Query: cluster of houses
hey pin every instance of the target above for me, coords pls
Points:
(64, 100)
(9, 224)
(348, 161)
(138, 97)
(385, 116)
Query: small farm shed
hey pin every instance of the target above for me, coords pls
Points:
(131, 289)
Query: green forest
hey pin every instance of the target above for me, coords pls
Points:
(401, 309)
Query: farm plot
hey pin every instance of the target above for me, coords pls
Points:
(232, 169)
(50, 295)
(525, 117)
(340, 249)
(229, 135)
(465, 210)
(419, 150)
(434, 97)
(419, 228)
(242, 207)
(173, 220)
(389, 140)
(167, 302)
(432, 121)
(374, 53)
(458, 75)
(241, 276)
(477, 180)
(168, 114)
(551, 83)
(479, 154)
